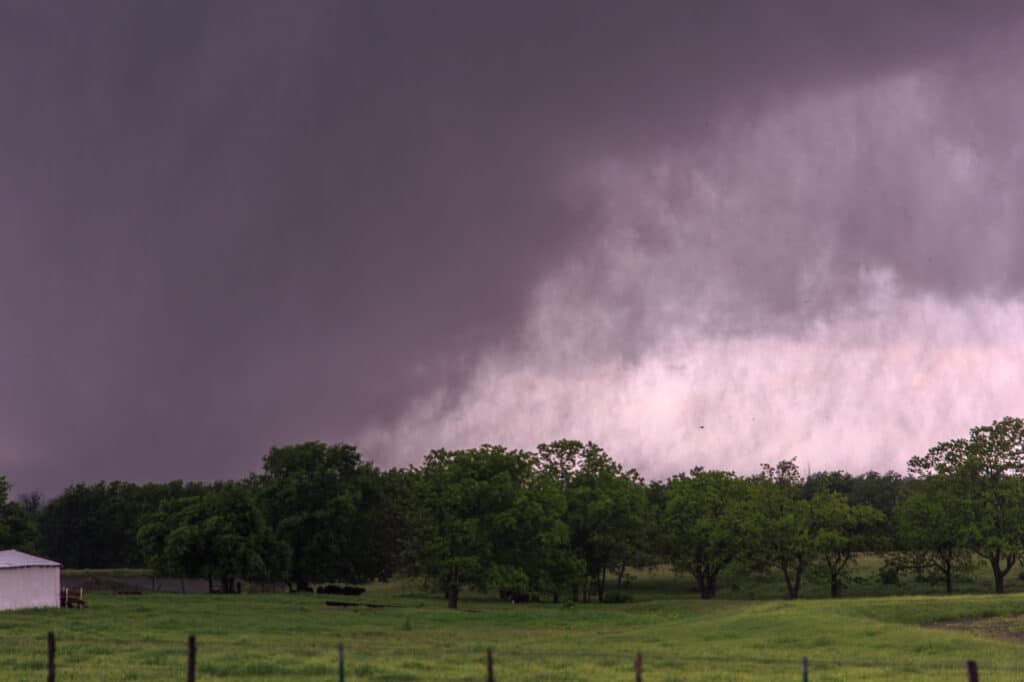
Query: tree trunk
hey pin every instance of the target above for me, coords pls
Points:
(947, 572)
(452, 593)
(835, 569)
(836, 564)
(997, 576)
(601, 584)
(998, 572)
(792, 581)
(789, 583)
(705, 583)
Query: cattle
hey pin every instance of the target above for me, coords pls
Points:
(514, 596)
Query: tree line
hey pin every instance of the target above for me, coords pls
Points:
(562, 522)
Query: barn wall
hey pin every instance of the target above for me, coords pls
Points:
(29, 587)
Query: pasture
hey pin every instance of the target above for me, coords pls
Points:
(294, 637)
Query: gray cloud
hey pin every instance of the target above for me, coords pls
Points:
(230, 226)
(737, 310)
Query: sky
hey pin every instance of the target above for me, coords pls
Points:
(697, 233)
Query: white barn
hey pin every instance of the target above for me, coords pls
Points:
(28, 582)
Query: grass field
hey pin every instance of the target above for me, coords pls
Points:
(294, 637)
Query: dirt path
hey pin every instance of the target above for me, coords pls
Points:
(1002, 627)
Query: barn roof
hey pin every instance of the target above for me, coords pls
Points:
(12, 558)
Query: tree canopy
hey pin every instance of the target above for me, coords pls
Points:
(555, 523)
(983, 471)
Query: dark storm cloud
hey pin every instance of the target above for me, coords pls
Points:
(230, 225)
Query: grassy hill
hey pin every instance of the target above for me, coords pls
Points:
(294, 637)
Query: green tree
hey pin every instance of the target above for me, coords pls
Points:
(329, 507)
(474, 517)
(705, 524)
(381, 520)
(220, 535)
(78, 530)
(96, 525)
(984, 471)
(794, 533)
(931, 521)
(607, 508)
(17, 525)
(783, 535)
(880, 491)
(838, 530)
(535, 539)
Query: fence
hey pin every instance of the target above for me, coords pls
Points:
(638, 663)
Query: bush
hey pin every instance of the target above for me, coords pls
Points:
(889, 574)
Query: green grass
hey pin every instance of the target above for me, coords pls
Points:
(294, 637)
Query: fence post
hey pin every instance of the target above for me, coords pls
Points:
(638, 667)
(972, 671)
(341, 662)
(191, 658)
(490, 665)
(51, 654)
(805, 668)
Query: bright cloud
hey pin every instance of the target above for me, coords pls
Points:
(766, 294)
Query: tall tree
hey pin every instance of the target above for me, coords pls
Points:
(794, 533)
(535, 540)
(474, 519)
(706, 524)
(933, 526)
(984, 470)
(783, 533)
(321, 500)
(838, 530)
(220, 535)
(96, 525)
(607, 507)
(17, 525)
(880, 491)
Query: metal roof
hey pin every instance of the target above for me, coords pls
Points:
(12, 558)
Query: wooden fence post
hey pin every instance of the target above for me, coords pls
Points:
(51, 654)
(638, 667)
(805, 668)
(191, 658)
(341, 662)
(972, 671)
(490, 665)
